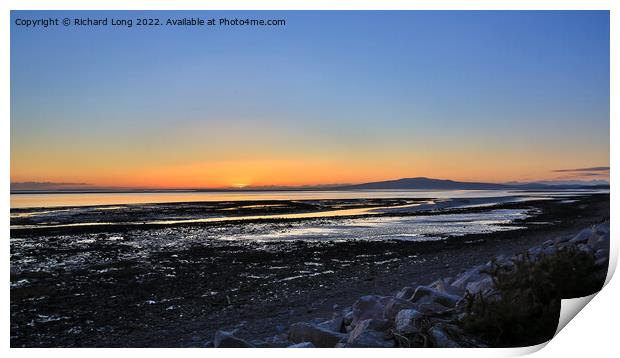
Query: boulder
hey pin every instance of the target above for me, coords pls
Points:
(257, 343)
(483, 286)
(424, 294)
(367, 307)
(586, 249)
(534, 252)
(602, 229)
(602, 263)
(278, 341)
(550, 250)
(441, 339)
(473, 274)
(444, 286)
(432, 308)
(394, 306)
(582, 236)
(598, 242)
(320, 337)
(371, 333)
(302, 345)
(405, 293)
(406, 321)
(335, 324)
(562, 240)
(224, 339)
(347, 316)
(601, 254)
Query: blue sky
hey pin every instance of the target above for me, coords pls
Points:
(356, 95)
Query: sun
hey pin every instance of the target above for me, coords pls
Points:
(239, 186)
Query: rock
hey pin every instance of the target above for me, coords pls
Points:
(602, 229)
(335, 324)
(485, 285)
(406, 321)
(302, 345)
(257, 343)
(371, 333)
(562, 240)
(278, 341)
(320, 337)
(472, 274)
(209, 344)
(431, 308)
(224, 339)
(347, 316)
(534, 252)
(585, 248)
(394, 306)
(425, 294)
(367, 307)
(602, 263)
(601, 254)
(441, 338)
(549, 250)
(598, 242)
(405, 293)
(582, 237)
(547, 243)
(444, 286)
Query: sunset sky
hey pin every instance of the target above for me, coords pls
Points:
(332, 97)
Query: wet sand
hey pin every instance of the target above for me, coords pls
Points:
(178, 295)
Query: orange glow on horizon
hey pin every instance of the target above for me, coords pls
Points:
(264, 173)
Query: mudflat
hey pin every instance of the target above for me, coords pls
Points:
(174, 285)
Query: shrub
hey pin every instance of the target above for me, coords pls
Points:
(526, 307)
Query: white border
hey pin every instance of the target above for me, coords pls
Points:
(594, 330)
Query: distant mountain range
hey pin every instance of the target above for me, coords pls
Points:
(419, 183)
(422, 183)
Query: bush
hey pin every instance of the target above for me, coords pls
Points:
(526, 307)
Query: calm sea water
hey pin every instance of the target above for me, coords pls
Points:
(35, 200)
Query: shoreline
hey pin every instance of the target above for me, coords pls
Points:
(193, 319)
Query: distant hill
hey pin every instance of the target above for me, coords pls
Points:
(422, 183)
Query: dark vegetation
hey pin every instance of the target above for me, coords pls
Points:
(526, 309)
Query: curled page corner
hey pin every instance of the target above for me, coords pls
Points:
(570, 308)
(523, 351)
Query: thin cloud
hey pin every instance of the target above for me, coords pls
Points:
(579, 170)
(34, 185)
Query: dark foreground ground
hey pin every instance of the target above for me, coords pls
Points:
(179, 296)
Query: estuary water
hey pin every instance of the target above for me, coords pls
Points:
(72, 199)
